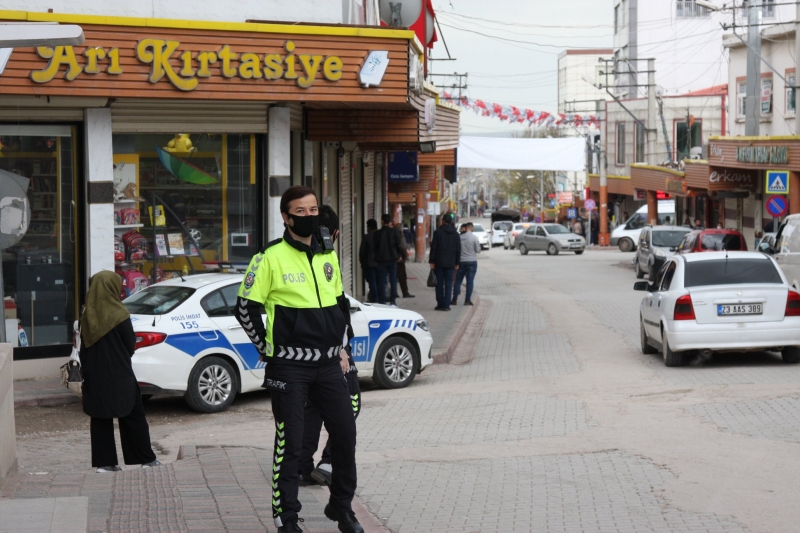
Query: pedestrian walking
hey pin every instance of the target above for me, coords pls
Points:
(445, 257)
(388, 250)
(110, 389)
(698, 224)
(468, 266)
(577, 227)
(298, 282)
(595, 224)
(409, 236)
(322, 473)
(402, 276)
(366, 256)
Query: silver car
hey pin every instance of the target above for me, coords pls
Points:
(550, 238)
(656, 245)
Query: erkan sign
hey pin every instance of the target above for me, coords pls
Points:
(192, 65)
(726, 179)
(403, 167)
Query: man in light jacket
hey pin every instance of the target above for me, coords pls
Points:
(470, 248)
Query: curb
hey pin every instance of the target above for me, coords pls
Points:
(49, 400)
(444, 357)
(186, 451)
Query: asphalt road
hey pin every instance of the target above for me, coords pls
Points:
(556, 422)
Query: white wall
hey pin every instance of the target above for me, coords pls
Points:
(322, 11)
(779, 51)
(572, 68)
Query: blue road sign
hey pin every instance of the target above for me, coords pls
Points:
(572, 213)
(590, 204)
(777, 206)
(777, 182)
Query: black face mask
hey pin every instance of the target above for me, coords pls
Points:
(304, 226)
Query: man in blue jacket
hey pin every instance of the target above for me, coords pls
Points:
(445, 257)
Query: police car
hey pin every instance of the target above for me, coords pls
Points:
(189, 342)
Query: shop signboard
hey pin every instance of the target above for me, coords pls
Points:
(403, 167)
(640, 195)
(725, 179)
(777, 182)
(676, 186)
(565, 198)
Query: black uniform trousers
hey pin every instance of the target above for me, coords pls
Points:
(133, 432)
(313, 427)
(291, 387)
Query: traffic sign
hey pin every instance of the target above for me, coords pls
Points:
(590, 204)
(572, 213)
(777, 206)
(552, 203)
(777, 182)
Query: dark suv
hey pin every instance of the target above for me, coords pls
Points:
(712, 240)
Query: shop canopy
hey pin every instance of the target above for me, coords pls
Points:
(568, 154)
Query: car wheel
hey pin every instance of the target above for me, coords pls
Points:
(646, 348)
(639, 271)
(396, 364)
(670, 358)
(578, 252)
(626, 245)
(523, 249)
(791, 355)
(212, 385)
(552, 249)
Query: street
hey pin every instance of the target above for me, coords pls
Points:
(553, 421)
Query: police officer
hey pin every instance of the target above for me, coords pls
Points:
(308, 475)
(297, 279)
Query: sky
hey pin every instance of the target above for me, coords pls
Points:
(523, 74)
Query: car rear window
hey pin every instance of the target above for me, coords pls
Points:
(157, 300)
(668, 238)
(721, 241)
(730, 272)
(478, 228)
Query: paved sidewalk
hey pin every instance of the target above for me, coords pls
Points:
(446, 327)
(209, 490)
(42, 392)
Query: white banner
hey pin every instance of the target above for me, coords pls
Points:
(567, 154)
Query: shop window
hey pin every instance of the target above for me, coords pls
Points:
(791, 80)
(39, 275)
(187, 201)
(687, 138)
(741, 99)
(766, 96)
(768, 9)
(641, 141)
(690, 9)
(620, 143)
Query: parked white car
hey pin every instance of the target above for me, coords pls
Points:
(499, 230)
(510, 237)
(719, 302)
(189, 342)
(481, 233)
(786, 249)
(627, 235)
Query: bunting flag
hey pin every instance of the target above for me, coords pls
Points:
(512, 114)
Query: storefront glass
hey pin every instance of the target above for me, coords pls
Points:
(39, 278)
(203, 187)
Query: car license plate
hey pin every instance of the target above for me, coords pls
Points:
(574, 245)
(740, 309)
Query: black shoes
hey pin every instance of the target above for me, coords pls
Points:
(306, 480)
(440, 308)
(454, 301)
(291, 526)
(408, 296)
(468, 303)
(322, 476)
(345, 520)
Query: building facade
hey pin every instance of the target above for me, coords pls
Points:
(161, 147)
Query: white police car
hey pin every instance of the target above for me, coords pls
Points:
(188, 341)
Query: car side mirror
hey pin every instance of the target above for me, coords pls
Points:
(765, 248)
(641, 286)
(673, 249)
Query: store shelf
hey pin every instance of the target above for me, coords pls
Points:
(123, 226)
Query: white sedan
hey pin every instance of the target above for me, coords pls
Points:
(719, 302)
(511, 235)
(481, 233)
(189, 342)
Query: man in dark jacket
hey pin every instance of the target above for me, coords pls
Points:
(366, 255)
(388, 251)
(402, 276)
(445, 258)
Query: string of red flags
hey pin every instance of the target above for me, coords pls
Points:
(512, 114)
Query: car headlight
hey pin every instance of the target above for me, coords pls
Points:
(422, 324)
(659, 253)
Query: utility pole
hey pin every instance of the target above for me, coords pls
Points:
(652, 118)
(752, 104)
(603, 237)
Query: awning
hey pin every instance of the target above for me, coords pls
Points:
(531, 154)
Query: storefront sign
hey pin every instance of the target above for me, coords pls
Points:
(675, 185)
(763, 154)
(565, 198)
(190, 66)
(777, 182)
(374, 68)
(639, 195)
(726, 179)
(403, 167)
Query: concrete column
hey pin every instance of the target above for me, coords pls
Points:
(279, 166)
(419, 230)
(99, 178)
(652, 208)
(794, 193)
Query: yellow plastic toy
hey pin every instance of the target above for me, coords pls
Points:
(181, 143)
